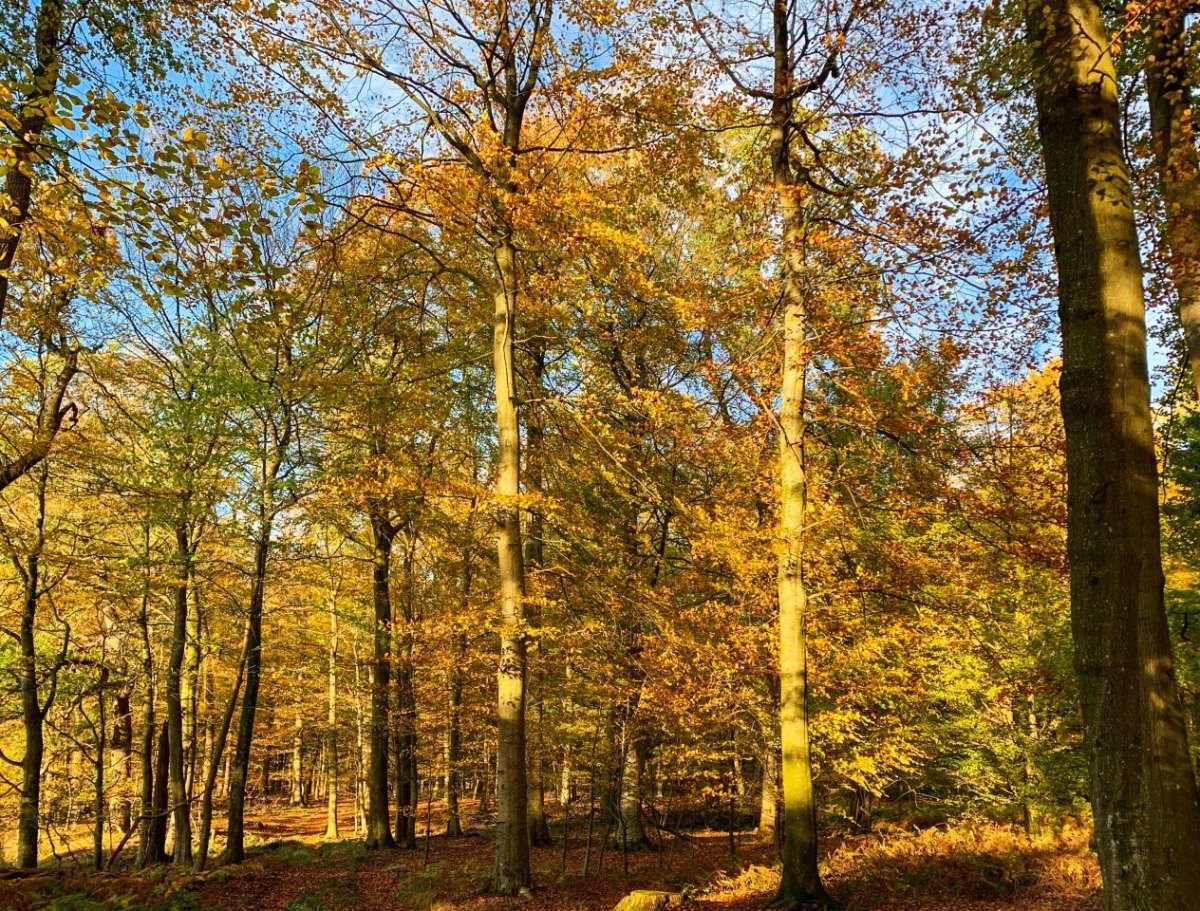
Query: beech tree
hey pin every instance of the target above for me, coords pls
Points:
(1143, 787)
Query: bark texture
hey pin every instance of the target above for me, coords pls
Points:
(33, 715)
(214, 760)
(379, 823)
(235, 845)
(180, 810)
(510, 870)
(1142, 785)
(800, 881)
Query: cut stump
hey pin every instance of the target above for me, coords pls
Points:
(649, 900)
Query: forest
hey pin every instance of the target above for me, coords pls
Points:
(566, 455)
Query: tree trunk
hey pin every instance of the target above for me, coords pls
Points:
(360, 784)
(331, 756)
(121, 806)
(180, 810)
(1169, 98)
(214, 759)
(407, 780)
(768, 813)
(379, 823)
(211, 753)
(32, 718)
(154, 848)
(630, 835)
(33, 115)
(539, 827)
(800, 881)
(189, 688)
(235, 837)
(453, 758)
(101, 759)
(296, 798)
(510, 871)
(1142, 785)
(862, 803)
(146, 825)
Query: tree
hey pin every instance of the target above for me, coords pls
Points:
(1169, 97)
(1142, 785)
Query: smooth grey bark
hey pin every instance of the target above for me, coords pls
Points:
(630, 834)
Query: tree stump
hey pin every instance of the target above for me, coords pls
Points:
(649, 900)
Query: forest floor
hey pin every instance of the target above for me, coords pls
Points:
(961, 868)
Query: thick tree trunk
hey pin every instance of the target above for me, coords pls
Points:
(1173, 126)
(1142, 785)
(510, 871)
(180, 810)
(235, 837)
(154, 848)
(630, 834)
(379, 823)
